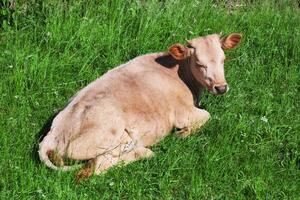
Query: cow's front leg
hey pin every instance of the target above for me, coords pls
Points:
(192, 121)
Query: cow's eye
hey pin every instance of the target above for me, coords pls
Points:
(200, 65)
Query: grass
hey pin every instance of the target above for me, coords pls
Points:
(250, 149)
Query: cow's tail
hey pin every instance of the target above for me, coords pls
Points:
(47, 150)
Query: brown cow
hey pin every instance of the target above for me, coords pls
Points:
(120, 115)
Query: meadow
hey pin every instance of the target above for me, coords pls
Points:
(250, 149)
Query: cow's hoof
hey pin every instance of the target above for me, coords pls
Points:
(184, 132)
(86, 172)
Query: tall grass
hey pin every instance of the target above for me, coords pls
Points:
(250, 149)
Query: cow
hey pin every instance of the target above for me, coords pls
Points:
(119, 116)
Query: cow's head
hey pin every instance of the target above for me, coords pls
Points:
(206, 59)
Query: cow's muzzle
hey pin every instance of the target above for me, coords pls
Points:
(220, 89)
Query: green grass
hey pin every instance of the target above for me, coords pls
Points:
(250, 149)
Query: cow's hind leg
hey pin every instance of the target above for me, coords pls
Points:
(136, 154)
(102, 162)
(105, 161)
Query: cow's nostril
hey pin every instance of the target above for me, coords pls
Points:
(221, 89)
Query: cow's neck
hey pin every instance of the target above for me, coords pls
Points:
(188, 78)
(185, 74)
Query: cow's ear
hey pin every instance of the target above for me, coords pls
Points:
(231, 41)
(179, 51)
